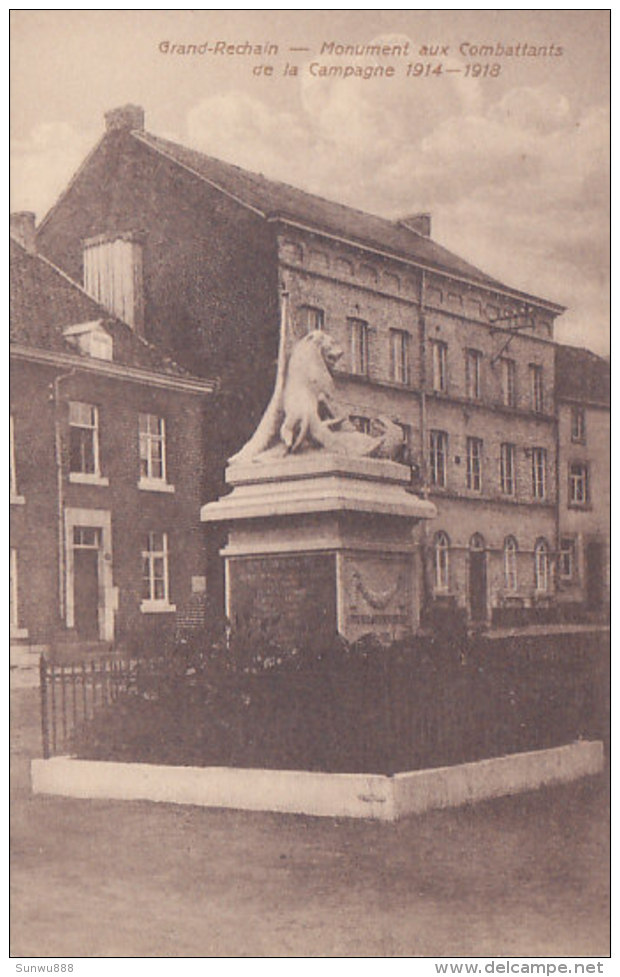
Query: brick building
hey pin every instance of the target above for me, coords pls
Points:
(107, 473)
(583, 408)
(464, 363)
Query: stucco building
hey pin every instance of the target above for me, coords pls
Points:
(194, 253)
(108, 467)
(583, 389)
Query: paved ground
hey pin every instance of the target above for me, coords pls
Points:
(513, 877)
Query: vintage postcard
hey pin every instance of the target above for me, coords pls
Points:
(310, 486)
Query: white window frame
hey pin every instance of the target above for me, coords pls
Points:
(87, 478)
(14, 497)
(399, 356)
(511, 578)
(474, 464)
(442, 562)
(438, 458)
(567, 558)
(153, 604)
(359, 347)
(578, 483)
(539, 473)
(15, 631)
(578, 425)
(313, 318)
(541, 567)
(440, 365)
(473, 374)
(146, 440)
(536, 388)
(101, 520)
(508, 455)
(509, 381)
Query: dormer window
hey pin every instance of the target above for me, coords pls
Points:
(91, 339)
(113, 276)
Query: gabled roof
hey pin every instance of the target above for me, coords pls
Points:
(272, 199)
(582, 376)
(44, 301)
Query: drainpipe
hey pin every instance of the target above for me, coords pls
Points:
(558, 476)
(423, 434)
(60, 491)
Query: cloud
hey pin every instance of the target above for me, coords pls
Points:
(517, 183)
(42, 164)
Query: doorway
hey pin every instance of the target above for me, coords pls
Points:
(595, 574)
(86, 584)
(477, 579)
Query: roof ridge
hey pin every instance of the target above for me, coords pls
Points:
(437, 261)
(105, 314)
(145, 137)
(271, 180)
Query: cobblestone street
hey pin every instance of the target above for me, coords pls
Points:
(513, 877)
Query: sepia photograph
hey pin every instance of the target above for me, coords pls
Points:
(310, 487)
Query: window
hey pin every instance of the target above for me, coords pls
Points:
(509, 386)
(360, 423)
(536, 387)
(578, 425)
(155, 586)
(507, 468)
(15, 630)
(90, 338)
(440, 365)
(86, 537)
(474, 464)
(473, 368)
(12, 471)
(566, 558)
(83, 438)
(541, 566)
(113, 276)
(14, 497)
(403, 453)
(13, 612)
(312, 318)
(510, 564)
(578, 488)
(439, 452)
(399, 356)
(152, 434)
(359, 346)
(442, 561)
(539, 473)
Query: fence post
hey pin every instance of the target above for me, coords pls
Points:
(44, 715)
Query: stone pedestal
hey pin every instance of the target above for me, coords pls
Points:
(322, 539)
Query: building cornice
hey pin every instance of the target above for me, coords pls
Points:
(115, 371)
(428, 307)
(581, 402)
(492, 289)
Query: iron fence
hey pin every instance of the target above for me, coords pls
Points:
(386, 711)
(72, 694)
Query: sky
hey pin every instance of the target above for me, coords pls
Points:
(513, 166)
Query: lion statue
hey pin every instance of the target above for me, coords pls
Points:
(303, 413)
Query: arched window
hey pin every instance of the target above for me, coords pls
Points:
(510, 563)
(477, 542)
(442, 561)
(541, 566)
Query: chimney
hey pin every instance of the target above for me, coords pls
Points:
(417, 222)
(125, 117)
(22, 228)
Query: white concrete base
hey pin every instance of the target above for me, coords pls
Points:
(318, 794)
